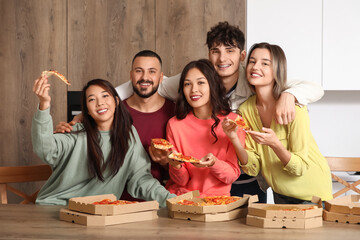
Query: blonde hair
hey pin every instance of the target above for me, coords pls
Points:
(278, 65)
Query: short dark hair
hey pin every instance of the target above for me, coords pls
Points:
(224, 33)
(147, 53)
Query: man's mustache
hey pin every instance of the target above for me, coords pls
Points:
(145, 81)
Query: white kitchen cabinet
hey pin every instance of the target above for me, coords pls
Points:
(296, 26)
(321, 38)
(341, 44)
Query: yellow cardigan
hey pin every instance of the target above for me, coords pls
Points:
(307, 173)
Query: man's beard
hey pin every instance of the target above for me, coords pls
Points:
(147, 95)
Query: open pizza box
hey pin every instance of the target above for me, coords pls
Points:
(285, 215)
(347, 205)
(99, 220)
(193, 196)
(84, 205)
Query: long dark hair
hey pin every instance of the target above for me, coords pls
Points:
(119, 134)
(219, 103)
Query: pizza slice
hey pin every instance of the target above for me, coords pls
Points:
(57, 74)
(182, 158)
(240, 122)
(162, 144)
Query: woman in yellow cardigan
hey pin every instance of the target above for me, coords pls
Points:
(287, 156)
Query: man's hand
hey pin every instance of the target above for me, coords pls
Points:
(159, 156)
(285, 108)
(63, 127)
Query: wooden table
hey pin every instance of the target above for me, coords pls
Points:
(42, 222)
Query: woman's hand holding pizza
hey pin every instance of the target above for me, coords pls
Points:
(267, 137)
(207, 161)
(230, 128)
(41, 89)
(174, 163)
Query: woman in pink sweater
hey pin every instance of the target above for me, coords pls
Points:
(196, 131)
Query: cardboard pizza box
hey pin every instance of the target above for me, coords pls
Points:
(193, 196)
(97, 220)
(84, 205)
(341, 217)
(297, 223)
(347, 205)
(210, 217)
(284, 211)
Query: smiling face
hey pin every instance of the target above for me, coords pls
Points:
(197, 91)
(259, 70)
(226, 60)
(146, 76)
(101, 106)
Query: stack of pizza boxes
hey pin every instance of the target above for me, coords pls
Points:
(344, 209)
(212, 213)
(299, 216)
(81, 210)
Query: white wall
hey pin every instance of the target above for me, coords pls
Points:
(334, 122)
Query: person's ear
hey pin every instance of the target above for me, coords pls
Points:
(242, 55)
(117, 100)
(161, 77)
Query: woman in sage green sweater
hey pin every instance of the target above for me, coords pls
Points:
(101, 156)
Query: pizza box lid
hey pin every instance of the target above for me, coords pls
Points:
(193, 196)
(97, 220)
(302, 223)
(84, 204)
(349, 204)
(210, 217)
(284, 211)
(341, 217)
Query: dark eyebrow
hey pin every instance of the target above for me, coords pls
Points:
(94, 95)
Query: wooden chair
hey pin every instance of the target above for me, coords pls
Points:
(344, 164)
(21, 174)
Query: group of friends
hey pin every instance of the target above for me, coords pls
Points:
(107, 149)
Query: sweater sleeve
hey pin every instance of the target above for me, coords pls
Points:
(227, 170)
(141, 184)
(299, 135)
(305, 92)
(168, 88)
(179, 176)
(51, 148)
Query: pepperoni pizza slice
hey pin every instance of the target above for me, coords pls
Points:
(182, 158)
(240, 122)
(162, 144)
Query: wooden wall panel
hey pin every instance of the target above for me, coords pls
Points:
(181, 28)
(104, 35)
(32, 39)
(86, 39)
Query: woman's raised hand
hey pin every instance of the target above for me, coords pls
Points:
(41, 89)
(230, 128)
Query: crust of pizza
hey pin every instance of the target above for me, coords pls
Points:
(162, 144)
(57, 74)
(110, 202)
(182, 158)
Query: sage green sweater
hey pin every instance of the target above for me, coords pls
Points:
(67, 156)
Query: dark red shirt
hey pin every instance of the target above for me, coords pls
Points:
(148, 126)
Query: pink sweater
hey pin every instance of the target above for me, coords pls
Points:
(192, 136)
